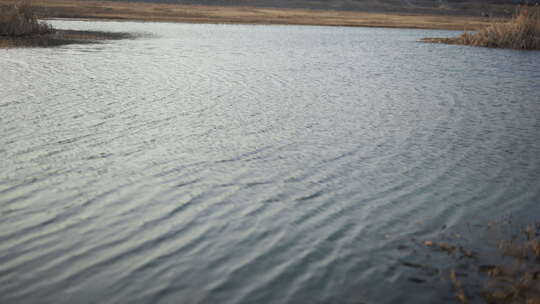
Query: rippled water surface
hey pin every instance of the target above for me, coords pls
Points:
(253, 164)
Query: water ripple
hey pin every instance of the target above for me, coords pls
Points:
(252, 164)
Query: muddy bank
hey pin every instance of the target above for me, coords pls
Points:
(62, 37)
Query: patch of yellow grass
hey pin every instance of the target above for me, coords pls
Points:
(522, 32)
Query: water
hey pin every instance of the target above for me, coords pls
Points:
(253, 164)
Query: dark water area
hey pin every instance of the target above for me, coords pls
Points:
(254, 164)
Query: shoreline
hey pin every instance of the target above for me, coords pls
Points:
(61, 37)
(181, 13)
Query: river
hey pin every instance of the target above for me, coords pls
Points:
(207, 163)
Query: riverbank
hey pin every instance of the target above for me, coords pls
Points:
(159, 12)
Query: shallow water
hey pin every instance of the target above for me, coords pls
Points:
(253, 164)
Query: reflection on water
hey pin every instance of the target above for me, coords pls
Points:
(252, 164)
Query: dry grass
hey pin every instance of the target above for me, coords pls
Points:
(122, 10)
(20, 27)
(522, 33)
(19, 20)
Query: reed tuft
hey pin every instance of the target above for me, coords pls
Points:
(522, 32)
(20, 20)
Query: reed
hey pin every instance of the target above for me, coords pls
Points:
(522, 32)
(20, 20)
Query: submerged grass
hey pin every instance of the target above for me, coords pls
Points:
(507, 272)
(522, 32)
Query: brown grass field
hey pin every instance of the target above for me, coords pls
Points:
(246, 15)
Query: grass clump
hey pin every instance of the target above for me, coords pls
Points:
(20, 20)
(522, 32)
(20, 27)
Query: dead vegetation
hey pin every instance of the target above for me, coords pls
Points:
(522, 32)
(20, 27)
(506, 273)
(20, 20)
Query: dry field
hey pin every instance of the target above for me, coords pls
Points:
(247, 15)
